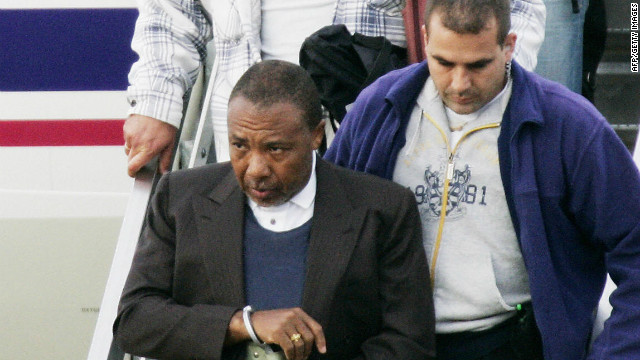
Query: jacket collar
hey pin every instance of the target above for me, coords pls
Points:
(404, 92)
(523, 106)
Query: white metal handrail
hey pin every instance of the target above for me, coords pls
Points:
(101, 344)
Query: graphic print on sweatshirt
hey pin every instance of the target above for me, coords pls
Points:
(462, 192)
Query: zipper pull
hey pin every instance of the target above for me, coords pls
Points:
(450, 168)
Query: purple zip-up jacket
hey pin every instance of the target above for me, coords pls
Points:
(573, 193)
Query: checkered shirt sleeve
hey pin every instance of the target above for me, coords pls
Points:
(373, 18)
(169, 38)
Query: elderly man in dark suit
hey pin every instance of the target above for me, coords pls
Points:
(278, 248)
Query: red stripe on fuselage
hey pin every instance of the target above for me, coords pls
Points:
(61, 133)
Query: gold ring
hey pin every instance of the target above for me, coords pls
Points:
(295, 337)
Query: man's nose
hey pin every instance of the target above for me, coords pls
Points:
(461, 80)
(258, 166)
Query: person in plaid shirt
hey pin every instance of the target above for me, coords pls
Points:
(174, 37)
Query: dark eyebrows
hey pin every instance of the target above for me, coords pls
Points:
(442, 60)
(474, 65)
(236, 138)
(480, 63)
(278, 143)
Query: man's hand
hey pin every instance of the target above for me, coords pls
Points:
(146, 137)
(292, 329)
(283, 326)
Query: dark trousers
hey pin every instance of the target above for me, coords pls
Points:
(504, 352)
(517, 338)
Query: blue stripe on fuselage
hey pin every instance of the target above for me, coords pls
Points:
(66, 49)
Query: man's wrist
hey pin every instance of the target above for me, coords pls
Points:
(246, 317)
(236, 331)
(157, 108)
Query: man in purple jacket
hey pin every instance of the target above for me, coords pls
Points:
(527, 197)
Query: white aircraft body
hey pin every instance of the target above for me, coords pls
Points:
(63, 182)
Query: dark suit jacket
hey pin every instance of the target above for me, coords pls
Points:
(367, 281)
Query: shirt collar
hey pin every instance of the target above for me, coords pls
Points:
(307, 195)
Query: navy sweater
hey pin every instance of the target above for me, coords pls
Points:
(274, 264)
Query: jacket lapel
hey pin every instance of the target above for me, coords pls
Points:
(333, 237)
(219, 222)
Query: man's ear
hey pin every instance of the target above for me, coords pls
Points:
(425, 40)
(423, 31)
(316, 135)
(509, 45)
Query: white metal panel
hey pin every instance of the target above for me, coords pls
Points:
(74, 169)
(65, 105)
